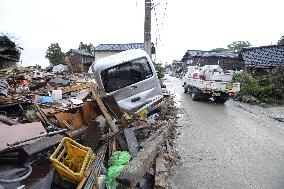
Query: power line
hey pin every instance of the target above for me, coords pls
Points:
(159, 23)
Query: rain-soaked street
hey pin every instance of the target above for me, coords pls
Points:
(231, 145)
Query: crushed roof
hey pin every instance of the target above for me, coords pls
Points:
(272, 55)
(119, 47)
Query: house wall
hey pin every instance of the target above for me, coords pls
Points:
(103, 54)
(79, 63)
(225, 63)
(7, 64)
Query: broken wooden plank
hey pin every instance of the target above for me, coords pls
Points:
(92, 135)
(136, 168)
(69, 120)
(97, 98)
(83, 94)
(76, 132)
(141, 126)
(12, 134)
(153, 136)
(111, 122)
(7, 120)
(32, 150)
(88, 110)
(75, 88)
(160, 171)
(131, 141)
(113, 106)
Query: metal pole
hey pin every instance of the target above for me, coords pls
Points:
(147, 28)
(156, 50)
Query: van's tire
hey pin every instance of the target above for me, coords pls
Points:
(195, 95)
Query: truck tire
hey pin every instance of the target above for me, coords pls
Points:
(195, 95)
(185, 89)
(220, 100)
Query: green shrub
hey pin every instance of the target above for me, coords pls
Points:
(160, 70)
(269, 93)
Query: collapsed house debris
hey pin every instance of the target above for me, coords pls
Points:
(58, 131)
(9, 52)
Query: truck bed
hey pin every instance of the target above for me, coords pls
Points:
(222, 86)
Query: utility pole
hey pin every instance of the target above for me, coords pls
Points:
(147, 28)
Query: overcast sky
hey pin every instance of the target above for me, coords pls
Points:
(181, 24)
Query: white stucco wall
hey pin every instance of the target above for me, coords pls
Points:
(102, 54)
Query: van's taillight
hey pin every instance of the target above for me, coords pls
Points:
(201, 77)
(156, 103)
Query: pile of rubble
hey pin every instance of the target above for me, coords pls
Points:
(65, 135)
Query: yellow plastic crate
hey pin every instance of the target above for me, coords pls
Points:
(71, 160)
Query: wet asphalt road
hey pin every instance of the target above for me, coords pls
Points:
(226, 146)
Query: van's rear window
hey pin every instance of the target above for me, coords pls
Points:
(126, 74)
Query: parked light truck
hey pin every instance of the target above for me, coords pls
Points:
(210, 81)
(131, 78)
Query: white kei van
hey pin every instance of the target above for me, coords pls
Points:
(131, 78)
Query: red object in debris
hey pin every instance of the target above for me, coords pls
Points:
(23, 82)
(20, 83)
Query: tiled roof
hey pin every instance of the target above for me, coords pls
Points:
(80, 52)
(199, 53)
(119, 47)
(176, 62)
(272, 55)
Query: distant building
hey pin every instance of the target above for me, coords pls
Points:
(104, 50)
(79, 61)
(177, 66)
(227, 60)
(177, 63)
(9, 52)
(263, 56)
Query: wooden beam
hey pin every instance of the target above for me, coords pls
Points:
(92, 135)
(131, 141)
(96, 96)
(160, 172)
(7, 120)
(136, 168)
(75, 88)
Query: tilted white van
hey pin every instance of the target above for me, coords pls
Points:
(131, 78)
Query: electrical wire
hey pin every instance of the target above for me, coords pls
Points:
(159, 24)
